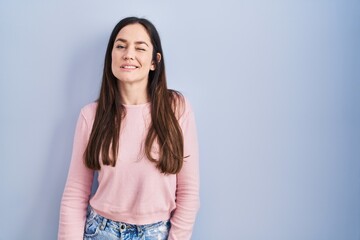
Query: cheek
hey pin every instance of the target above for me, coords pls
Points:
(113, 57)
(147, 60)
(113, 68)
(113, 61)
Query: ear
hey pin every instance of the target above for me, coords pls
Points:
(153, 65)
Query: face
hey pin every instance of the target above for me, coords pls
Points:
(132, 55)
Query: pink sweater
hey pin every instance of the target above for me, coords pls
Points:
(134, 191)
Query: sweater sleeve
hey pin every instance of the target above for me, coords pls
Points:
(77, 188)
(187, 192)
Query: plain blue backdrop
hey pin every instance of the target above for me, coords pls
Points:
(274, 84)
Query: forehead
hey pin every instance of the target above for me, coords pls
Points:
(134, 33)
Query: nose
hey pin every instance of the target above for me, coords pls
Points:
(128, 54)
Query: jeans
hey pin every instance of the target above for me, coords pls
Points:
(98, 227)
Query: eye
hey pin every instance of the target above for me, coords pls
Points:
(120, 47)
(140, 49)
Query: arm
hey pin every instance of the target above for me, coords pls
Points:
(187, 193)
(78, 187)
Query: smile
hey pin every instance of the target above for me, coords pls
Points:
(129, 67)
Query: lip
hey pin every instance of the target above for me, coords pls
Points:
(128, 67)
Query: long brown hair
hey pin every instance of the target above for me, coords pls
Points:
(164, 129)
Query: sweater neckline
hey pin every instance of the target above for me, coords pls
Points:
(136, 106)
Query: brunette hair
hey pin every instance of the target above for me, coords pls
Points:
(164, 129)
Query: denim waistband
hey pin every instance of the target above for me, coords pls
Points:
(120, 226)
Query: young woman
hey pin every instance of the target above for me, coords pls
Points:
(141, 138)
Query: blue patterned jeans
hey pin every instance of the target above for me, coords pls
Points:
(100, 228)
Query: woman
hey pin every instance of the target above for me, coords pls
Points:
(141, 138)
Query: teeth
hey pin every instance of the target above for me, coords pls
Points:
(130, 67)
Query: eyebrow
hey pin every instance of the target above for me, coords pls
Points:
(125, 41)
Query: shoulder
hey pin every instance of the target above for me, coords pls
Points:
(88, 111)
(187, 112)
(181, 105)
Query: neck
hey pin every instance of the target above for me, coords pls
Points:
(133, 93)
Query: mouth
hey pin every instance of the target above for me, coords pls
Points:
(129, 67)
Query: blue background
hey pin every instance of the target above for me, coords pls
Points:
(274, 84)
